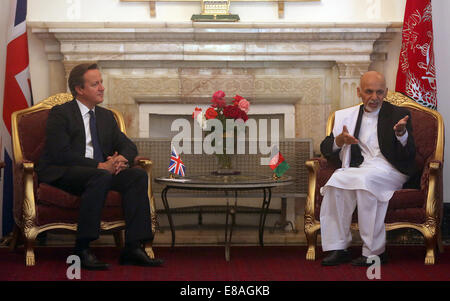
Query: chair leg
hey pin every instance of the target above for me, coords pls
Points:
(149, 250)
(29, 249)
(430, 243)
(311, 237)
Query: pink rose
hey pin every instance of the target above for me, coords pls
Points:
(244, 105)
(219, 94)
(237, 99)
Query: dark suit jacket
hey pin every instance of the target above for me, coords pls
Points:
(65, 143)
(401, 157)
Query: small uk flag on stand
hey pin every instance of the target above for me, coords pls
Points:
(176, 166)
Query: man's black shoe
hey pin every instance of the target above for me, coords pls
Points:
(361, 261)
(337, 257)
(89, 261)
(137, 256)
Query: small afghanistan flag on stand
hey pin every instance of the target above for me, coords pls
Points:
(277, 162)
(176, 166)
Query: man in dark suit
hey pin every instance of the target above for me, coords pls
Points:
(374, 146)
(86, 154)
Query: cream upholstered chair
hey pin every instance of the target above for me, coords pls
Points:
(39, 207)
(419, 209)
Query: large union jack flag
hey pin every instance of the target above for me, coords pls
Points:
(176, 166)
(17, 95)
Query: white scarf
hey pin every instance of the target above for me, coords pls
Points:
(347, 117)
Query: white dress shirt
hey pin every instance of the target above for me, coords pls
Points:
(86, 117)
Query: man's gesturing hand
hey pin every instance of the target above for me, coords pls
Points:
(345, 138)
(400, 127)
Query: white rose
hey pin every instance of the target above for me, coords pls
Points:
(201, 119)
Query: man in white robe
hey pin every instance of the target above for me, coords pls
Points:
(377, 159)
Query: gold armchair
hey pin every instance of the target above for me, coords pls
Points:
(41, 207)
(420, 209)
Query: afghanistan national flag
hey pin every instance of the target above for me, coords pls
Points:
(416, 76)
(277, 163)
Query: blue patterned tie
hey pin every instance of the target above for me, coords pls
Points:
(98, 154)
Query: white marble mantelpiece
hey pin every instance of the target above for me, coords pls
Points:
(214, 42)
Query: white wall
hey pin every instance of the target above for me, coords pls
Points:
(441, 30)
(114, 10)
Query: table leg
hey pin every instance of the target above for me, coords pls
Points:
(263, 215)
(169, 215)
(231, 211)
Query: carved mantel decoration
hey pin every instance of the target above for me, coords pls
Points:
(215, 11)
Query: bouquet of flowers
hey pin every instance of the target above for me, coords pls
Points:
(221, 111)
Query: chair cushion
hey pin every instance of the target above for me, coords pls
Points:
(50, 195)
(50, 214)
(400, 203)
(406, 215)
(407, 198)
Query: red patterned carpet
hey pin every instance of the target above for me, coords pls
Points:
(269, 263)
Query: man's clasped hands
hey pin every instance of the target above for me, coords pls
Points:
(114, 164)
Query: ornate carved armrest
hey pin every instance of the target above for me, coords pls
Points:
(142, 161)
(436, 165)
(323, 163)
